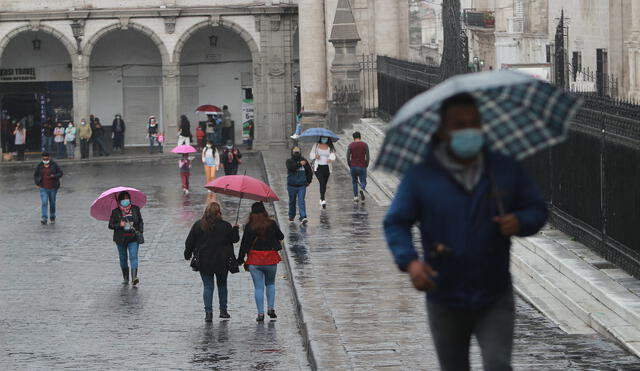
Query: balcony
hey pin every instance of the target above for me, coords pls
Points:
(483, 19)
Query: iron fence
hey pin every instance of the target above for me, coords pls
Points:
(369, 85)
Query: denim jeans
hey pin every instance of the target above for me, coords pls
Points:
(100, 143)
(60, 150)
(493, 325)
(48, 143)
(298, 193)
(48, 198)
(152, 141)
(71, 150)
(264, 275)
(132, 249)
(207, 293)
(358, 175)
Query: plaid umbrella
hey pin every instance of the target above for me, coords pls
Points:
(314, 134)
(521, 115)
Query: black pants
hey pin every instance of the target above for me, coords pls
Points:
(323, 177)
(20, 149)
(84, 148)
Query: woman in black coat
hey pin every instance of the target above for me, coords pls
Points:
(125, 221)
(211, 239)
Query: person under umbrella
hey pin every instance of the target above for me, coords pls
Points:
(455, 146)
(323, 154)
(126, 223)
(211, 240)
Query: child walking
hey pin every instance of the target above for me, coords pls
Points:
(185, 171)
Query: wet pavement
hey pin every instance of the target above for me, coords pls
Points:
(361, 313)
(62, 304)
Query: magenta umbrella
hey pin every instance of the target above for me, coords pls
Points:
(242, 186)
(102, 207)
(184, 149)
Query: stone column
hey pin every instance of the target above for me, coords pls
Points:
(633, 45)
(81, 90)
(387, 28)
(313, 68)
(170, 101)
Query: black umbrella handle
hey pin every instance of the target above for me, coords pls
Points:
(239, 203)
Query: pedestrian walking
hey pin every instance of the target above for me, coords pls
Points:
(299, 177)
(98, 137)
(127, 224)
(20, 140)
(226, 126)
(185, 172)
(153, 131)
(210, 160)
(84, 133)
(231, 158)
(358, 161)
(47, 136)
(210, 242)
(261, 243)
(118, 128)
(298, 130)
(466, 226)
(323, 154)
(58, 138)
(47, 178)
(184, 131)
(70, 140)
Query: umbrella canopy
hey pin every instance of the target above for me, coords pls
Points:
(242, 186)
(184, 149)
(105, 203)
(521, 115)
(314, 134)
(209, 109)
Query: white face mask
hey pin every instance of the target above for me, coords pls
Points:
(208, 145)
(83, 122)
(46, 162)
(70, 125)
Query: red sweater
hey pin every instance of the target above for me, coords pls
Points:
(47, 180)
(358, 154)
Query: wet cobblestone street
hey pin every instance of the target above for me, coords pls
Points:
(62, 304)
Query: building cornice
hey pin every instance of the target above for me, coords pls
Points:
(56, 15)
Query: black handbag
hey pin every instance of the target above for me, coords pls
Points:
(140, 238)
(195, 261)
(232, 262)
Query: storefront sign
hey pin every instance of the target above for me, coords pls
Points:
(17, 74)
(247, 117)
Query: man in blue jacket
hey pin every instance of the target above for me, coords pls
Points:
(456, 196)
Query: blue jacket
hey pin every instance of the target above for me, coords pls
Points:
(477, 272)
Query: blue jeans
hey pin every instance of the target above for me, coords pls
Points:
(207, 293)
(153, 140)
(132, 248)
(60, 150)
(48, 197)
(298, 129)
(264, 275)
(358, 175)
(48, 143)
(452, 328)
(297, 193)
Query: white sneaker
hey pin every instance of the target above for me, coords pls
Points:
(186, 191)
(355, 199)
(305, 221)
(324, 204)
(295, 136)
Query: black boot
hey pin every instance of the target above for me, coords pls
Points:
(224, 314)
(134, 276)
(272, 313)
(208, 317)
(125, 276)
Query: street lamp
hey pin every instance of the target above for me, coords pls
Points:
(77, 27)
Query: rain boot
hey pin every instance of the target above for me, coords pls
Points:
(208, 317)
(224, 314)
(134, 276)
(125, 276)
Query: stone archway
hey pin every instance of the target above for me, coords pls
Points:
(69, 45)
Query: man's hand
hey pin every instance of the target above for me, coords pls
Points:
(421, 275)
(303, 162)
(509, 224)
(122, 223)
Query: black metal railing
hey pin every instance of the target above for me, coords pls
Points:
(369, 85)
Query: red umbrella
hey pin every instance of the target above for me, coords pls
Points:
(242, 186)
(208, 108)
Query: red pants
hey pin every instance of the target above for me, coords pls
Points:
(185, 180)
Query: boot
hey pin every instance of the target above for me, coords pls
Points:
(125, 276)
(208, 317)
(224, 314)
(134, 276)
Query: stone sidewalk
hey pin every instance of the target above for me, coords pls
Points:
(576, 288)
(357, 311)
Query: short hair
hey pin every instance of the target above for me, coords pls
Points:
(225, 107)
(461, 99)
(45, 154)
(356, 135)
(122, 195)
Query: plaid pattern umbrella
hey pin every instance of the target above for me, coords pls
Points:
(521, 115)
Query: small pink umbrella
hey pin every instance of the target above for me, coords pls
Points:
(242, 186)
(184, 149)
(102, 207)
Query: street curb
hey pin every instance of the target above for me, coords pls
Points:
(309, 345)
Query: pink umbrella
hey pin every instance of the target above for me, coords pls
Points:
(208, 108)
(102, 207)
(184, 149)
(242, 186)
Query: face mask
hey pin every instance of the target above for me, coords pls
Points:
(208, 145)
(70, 125)
(467, 143)
(324, 140)
(46, 162)
(296, 155)
(83, 122)
(125, 203)
(229, 147)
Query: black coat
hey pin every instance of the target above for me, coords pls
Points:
(213, 248)
(119, 236)
(270, 242)
(55, 171)
(115, 123)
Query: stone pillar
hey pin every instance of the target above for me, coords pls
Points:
(633, 43)
(387, 28)
(313, 69)
(170, 102)
(81, 89)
